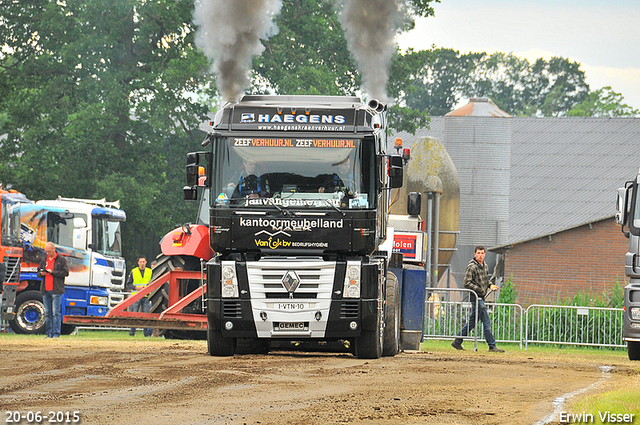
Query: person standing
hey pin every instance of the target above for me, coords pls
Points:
(53, 268)
(476, 278)
(139, 278)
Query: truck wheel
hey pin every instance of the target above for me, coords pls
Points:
(218, 345)
(67, 329)
(392, 317)
(30, 317)
(369, 344)
(633, 350)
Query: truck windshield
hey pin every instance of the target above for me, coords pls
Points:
(294, 172)
(107, 237)
(10, 224)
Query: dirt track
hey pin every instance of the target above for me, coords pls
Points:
(157, 381)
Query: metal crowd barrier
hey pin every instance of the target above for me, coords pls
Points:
(574, 325)
(447, 310)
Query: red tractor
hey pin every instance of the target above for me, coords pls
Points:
(183, 248)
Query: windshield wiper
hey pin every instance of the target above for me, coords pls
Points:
(331, 204)
(273, 203)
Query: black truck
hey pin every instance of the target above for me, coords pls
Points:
(299, 193)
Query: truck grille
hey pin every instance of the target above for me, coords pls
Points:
(115, 297)
(316, 278)
(12, 265)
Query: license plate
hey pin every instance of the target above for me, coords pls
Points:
(289, 306)
(290, 326)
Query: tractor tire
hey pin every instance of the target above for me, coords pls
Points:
(633, 350)
(218, 345)
(30, 318)
(160, 298)
(392, 317)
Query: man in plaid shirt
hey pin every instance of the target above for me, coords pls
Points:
(477, 279)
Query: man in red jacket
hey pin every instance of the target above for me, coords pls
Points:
(52, 269)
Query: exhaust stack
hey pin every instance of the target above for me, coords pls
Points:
(377, 106)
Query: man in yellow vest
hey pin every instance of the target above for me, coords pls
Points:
(139, 278)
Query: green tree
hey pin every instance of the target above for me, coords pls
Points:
(431, 80)
(97, 100)
(435, 80)
(544, 88)
(309, 53)
(603, 102)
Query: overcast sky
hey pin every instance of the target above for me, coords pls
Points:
(603, 36)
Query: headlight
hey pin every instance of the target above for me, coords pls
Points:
(352, 280)
(229, 281)
(228, 272)
(96, 300)
(354, 272)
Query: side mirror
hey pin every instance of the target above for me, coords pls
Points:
(192, 175)
(190, 193)
(633, 214)
(414, 204)
(192, 169)
(396, 171)
(192, 158)
(79, 223)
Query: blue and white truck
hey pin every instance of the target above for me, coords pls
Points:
(88, 234)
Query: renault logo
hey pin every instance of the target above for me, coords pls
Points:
(290, 281)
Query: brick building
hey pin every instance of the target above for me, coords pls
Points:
(586, 259)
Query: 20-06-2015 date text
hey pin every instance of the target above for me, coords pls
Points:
(37, 417)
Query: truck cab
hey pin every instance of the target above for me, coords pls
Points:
(88, 234)
(628, 215)
(10, 248)
(299, 189)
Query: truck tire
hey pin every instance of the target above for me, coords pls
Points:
(218, 345)
(369, 344)
(633, 350)
(160, 298)
(30, 317)
(67, 329)
(392, 317)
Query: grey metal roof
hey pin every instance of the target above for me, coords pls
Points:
(564, 171)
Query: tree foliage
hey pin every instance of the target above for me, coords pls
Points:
(603, 102)
(297, 59)
(94, 100)
(435, 80)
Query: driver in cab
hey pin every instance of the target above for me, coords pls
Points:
(343, 177)
(246, 183)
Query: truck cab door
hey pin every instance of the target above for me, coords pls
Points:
(69, 232)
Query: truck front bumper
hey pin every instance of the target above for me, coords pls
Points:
(238, 319)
